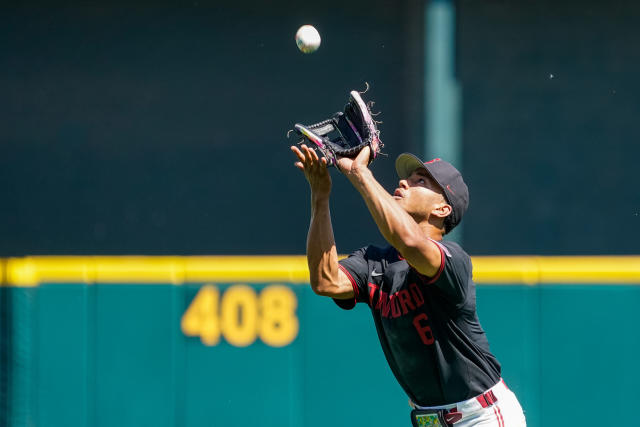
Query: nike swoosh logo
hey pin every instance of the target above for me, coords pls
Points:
(375, 273)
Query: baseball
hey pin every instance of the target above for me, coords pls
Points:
(308, 39)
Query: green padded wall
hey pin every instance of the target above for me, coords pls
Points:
(118, 354)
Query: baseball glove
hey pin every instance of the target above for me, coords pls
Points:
(344, 134)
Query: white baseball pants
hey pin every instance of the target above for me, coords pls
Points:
(504, 412)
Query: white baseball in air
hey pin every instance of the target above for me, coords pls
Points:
(308, 39)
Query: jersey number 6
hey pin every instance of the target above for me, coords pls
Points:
(421, 325)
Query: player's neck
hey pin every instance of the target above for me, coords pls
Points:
(431, 231)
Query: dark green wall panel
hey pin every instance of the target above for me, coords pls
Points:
(115, 355)
(591, 346)
(510, 316)
(62, 327)
(133, 334)
(347, 380)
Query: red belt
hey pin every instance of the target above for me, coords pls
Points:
(487, 399)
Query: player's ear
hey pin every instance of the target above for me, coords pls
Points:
(442, 210)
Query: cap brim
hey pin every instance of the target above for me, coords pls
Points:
(406, 163)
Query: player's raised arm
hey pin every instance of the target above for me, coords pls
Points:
(409, 235)
(322, 257)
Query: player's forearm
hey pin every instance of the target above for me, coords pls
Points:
(322, 255)
(395, 224)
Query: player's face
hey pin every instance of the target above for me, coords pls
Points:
(419, 194)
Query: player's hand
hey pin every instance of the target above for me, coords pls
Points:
(353, 166)
(314, 168)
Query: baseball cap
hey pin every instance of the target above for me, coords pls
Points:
(446, 176)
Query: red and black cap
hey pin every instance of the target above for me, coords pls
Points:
(446, 176)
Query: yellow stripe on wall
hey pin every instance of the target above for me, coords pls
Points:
(31, 271)
(567, 269)
(529, 270)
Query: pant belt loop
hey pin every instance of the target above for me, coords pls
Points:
(487, 399)
(482, 400)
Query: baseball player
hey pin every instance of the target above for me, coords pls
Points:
(419, 288)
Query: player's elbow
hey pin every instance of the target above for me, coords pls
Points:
(324, 288)
(323, 292)
(331, 283)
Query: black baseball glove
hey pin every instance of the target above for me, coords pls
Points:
(344, 134)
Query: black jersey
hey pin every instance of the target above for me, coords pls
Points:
(428, 327)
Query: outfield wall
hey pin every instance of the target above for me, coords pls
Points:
(237, 341)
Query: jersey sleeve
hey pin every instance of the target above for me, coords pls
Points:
(356, 267)
(454, 276)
